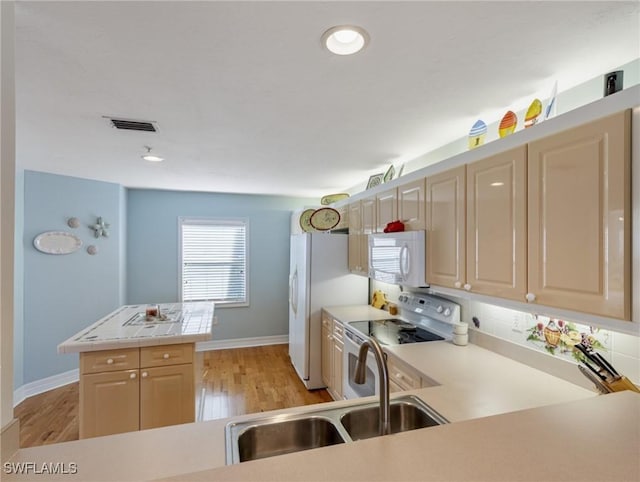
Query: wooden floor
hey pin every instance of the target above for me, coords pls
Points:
(229, 383)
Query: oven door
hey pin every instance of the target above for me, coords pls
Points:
(351, 389)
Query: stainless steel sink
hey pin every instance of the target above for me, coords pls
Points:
(283, 437)
(405, 415)
(281, 434)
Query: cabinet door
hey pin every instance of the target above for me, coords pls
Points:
(579, 218)
(446, 248)
(369, 218)
(109, 403)
(496, 225)
(411, 205)
(327, 353)
(167, 396)
(355, 236)
(386, 208)
(338, 349)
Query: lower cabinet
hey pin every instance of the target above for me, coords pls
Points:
(136, 388)
(332, 350)
(404, 377)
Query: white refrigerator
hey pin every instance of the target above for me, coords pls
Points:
(318, 276)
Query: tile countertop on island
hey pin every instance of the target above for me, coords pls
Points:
(127, 327)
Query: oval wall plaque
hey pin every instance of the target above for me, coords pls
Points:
(57, 242)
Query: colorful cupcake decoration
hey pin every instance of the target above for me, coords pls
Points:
(533, 112)
(507, 124)
(477, 134)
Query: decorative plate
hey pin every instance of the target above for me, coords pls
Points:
(388, 176)
(533, 112)
(305, 223)
(477, 134)
(332, 198)
(325, 218)
(507, 124)
(57, 242)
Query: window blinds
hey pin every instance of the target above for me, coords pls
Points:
(214, 260)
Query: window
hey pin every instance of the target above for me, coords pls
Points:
(213, 260)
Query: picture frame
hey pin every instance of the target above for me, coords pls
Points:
(391, 172)
(375, 180)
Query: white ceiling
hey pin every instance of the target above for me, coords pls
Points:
(247, 100)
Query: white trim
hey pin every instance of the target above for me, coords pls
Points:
(242, 342)
(43, 385)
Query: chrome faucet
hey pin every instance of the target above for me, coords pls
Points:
(383, 376)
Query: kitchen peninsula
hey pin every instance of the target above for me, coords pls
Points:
(136, 367)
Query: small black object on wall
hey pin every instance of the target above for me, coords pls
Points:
(613, 82)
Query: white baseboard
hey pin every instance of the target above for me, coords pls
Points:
(45, 384)
(242, 342)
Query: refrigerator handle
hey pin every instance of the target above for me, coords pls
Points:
(293, 291)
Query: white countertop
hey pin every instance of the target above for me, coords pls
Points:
(127, 327)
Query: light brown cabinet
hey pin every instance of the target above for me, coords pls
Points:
(411, 205)
(579, 226)
(496, 215)
(332, 350)
(403, 376)
(136, 388)
(386, 209)
(358, 238)
(446, 228)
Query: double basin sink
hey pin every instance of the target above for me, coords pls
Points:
(281, 434)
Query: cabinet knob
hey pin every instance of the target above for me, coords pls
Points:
(145, 374)
(109, 361)
(467, 287)
(530, 297)
(457, 284)
(132, 375)
(165, 356)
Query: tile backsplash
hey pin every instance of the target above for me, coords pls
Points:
(554, 336)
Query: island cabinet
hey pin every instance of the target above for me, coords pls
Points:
(579, 226)
(496, 213)
(446, 228)
(136, 388)
(332, 352)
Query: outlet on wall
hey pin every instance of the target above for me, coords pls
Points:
(517, 324)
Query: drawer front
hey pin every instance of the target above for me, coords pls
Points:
(158, 356)
(326, 322)
(109, 360)
(405, 378)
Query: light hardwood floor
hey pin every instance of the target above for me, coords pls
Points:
(228, 383)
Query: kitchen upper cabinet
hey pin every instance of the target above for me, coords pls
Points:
(497, 225)
(358, 248)
(411, 205)
(386, 208)
(579, 231)
(446, 228)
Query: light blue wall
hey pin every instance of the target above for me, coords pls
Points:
(65, 293)
(152, 253)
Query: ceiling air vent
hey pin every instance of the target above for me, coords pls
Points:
(133, 125)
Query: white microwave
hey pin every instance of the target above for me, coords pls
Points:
(398, 258)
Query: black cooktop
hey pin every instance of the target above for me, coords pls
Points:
(394, 331)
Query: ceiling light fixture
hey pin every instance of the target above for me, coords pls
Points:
(345, 39)
(150, 157)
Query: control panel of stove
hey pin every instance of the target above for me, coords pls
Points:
(429, 305)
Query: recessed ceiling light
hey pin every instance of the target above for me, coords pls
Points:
(345, 39)
(150, 157)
